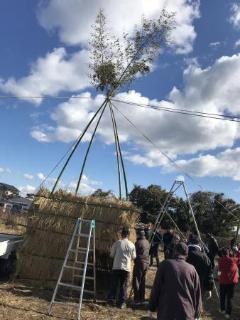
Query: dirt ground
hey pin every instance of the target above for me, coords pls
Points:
(19, 301)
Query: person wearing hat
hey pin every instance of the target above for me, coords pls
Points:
(123, 252)
(201, 262)
(141, 264)
(176, 292)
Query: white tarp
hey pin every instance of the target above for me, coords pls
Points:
(4, 247)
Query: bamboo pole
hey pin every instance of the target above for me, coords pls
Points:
(117, 153)
(120, 152)
(76, 145)
(89, 146)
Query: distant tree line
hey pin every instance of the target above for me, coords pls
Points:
(214, 212)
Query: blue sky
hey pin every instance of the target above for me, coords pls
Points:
(44, 52)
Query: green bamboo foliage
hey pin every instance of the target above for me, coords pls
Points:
(116, 62)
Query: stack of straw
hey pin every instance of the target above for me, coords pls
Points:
(50, 226)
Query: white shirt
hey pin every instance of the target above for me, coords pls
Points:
(123, 251)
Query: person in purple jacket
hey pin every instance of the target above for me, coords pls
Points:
(176, 292)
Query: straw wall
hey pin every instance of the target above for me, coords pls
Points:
(50, 226)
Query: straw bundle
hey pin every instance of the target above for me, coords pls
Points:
(50, 227)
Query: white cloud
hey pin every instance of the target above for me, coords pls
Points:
(27, 189)
(235, 15)
(223, 164)
(215, 89)
(28, 176)
(87, 186)
(215, 44)
(60, 71)
(41, 176)
(73, 19)
(56, 72)
(5, 170)
(237, 43)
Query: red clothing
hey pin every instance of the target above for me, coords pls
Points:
(238, 258)
(228, 269)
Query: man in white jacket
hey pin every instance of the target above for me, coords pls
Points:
(123, 252)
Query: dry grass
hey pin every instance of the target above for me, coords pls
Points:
(13, 223)
(23, 302)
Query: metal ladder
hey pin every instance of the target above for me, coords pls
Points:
(77, 262)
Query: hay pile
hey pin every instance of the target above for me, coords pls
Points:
(50, 227)
(13, 223)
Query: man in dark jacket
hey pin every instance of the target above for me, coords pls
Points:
(176, 292)
(167, 240)
(203, 266)
(170, 250)
(156, 240)
(141, 264)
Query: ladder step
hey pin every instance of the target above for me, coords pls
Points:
(62, 284)
(84, 249)
(80, 250)
(83, 235)
(81, 276)
(73, 268)
(83, 262)
(68, 285)
(72, 304)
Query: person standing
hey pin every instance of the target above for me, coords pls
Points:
(141, 264)
(123, 252)
(176, 292)
(156, 240)
(213, 248)
(167, 240)
(170, 251)
(203, 266)
(228, 270)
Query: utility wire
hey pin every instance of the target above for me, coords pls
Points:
(46, 97)
(173, 162)
(154, 144)
(215, 116)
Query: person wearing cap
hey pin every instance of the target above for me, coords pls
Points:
(202, 264)
(176, 292)
(123, 252)
(141, 264)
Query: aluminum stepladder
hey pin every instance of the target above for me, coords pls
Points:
(81, 246)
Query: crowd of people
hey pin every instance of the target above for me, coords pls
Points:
(183, 279)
